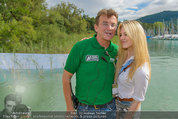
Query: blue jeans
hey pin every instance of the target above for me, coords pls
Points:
(107, 112)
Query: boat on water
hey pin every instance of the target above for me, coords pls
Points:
(166, 37)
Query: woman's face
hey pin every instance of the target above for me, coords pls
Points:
(126, 42)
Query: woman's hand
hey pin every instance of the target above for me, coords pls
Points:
(132, 109)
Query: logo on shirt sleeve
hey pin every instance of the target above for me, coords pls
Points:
(92, 58)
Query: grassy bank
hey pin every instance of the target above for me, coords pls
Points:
(60, 45)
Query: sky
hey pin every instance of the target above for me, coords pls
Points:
(126, 9)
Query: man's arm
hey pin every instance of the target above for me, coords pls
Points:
(67, 90)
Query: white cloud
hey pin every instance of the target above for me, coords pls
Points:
(135, 7)
(159, 6)
(123, 7)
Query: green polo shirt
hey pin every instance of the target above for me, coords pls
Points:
(94, 71)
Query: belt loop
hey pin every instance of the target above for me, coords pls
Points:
(109, 107)
(86, 107)
(95, 107)
(79, 104)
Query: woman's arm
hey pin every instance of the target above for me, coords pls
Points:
(132, 109)
(141, 78)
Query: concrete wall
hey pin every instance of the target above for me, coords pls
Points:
(32, 61)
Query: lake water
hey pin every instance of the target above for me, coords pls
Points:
(162, 91)
(41, 88)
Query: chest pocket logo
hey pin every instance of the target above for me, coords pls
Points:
(111, 60)
(90, 58)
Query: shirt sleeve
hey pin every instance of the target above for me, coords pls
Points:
(141, 78)
(73, 59)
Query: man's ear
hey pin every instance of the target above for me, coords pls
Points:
(96, 27)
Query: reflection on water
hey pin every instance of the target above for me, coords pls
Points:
(163, 48)
(43, 88)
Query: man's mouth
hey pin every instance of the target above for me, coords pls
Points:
(108, 33)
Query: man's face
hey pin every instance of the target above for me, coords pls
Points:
(106, 27)
(9, 106)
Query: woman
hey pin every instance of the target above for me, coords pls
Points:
(132, 69)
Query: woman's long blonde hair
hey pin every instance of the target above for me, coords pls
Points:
(136, 33)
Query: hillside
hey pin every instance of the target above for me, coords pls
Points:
(165, 15)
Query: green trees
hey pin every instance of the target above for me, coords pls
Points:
(159, 28)
(90, 22)
(17, 23)
(72, 18)
(28, 26)
(13, 33)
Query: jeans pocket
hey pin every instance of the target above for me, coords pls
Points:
(81, 108)
(112, 106)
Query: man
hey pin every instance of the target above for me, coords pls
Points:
(10, 101)
(93, 62)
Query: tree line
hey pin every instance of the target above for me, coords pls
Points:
(161, 28)
(25, 23)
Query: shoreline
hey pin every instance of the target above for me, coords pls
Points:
(166, 37)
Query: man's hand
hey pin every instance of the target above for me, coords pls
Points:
(71, 115)
(85, 38)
